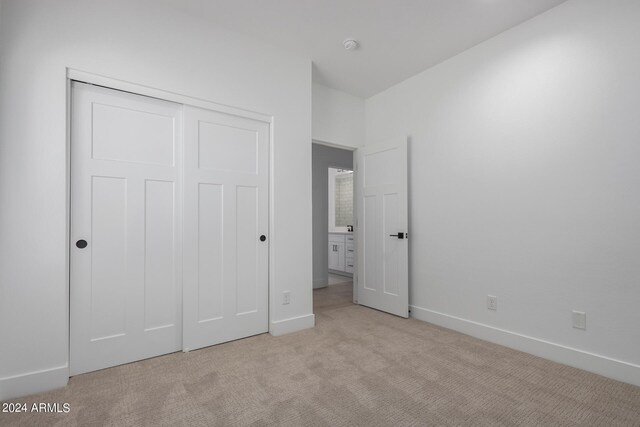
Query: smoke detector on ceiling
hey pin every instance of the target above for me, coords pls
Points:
(350, 44)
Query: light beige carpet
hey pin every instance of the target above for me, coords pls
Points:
(357, 367)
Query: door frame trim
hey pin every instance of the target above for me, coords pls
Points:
(138, 89)
(355, 213)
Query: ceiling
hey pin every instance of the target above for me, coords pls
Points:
(398, 38)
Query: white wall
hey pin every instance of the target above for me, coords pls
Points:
(323, 158)
(524, 161)
(145, 43)
(331, 198)
(338, 117)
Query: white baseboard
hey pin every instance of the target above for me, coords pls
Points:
(596, 363)
(33, 382)
(341, 273)
(320, 283)
(294, 324)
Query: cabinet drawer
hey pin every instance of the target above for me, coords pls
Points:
(349, 238)
(349, 267)
(336, 238)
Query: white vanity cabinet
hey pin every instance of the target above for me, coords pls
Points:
(341, 252)
(350, 253)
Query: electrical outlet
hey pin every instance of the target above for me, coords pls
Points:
(579, 319)
(286, 297)
(492, 302)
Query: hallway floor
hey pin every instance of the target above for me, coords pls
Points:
(336, 295)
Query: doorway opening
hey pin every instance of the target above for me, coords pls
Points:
(380, 232)
(334, 231)
(341, 244)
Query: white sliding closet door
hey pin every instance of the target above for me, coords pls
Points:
(225, 227)
(125, 290)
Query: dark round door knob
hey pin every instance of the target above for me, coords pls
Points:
(81, 244)
(263, 238)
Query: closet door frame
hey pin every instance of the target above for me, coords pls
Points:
(121, 85)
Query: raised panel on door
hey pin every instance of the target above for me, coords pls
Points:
(210, 252)
(248, 247)
(133, 135)
(382, 247)
(160, 284)
(125, 288)
(226, 212)
(108, 263)
(370, 248)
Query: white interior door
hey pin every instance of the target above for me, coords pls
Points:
(125, 287)
(225, 230)
(382, 227)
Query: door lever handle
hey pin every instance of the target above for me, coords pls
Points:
(399, 235)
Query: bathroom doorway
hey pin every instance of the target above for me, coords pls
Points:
(334, 231)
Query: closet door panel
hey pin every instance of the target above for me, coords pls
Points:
(125, 260)
(226, 214)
